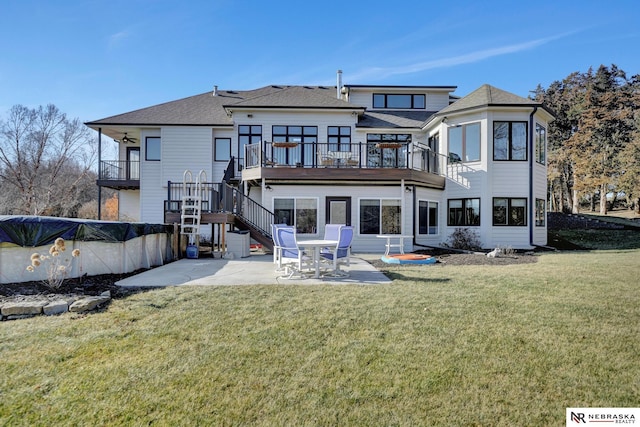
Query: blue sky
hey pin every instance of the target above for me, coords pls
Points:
(94, 59)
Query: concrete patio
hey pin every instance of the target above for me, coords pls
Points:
(253, 270)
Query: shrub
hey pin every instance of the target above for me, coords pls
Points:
(465, 239)
(56, 265)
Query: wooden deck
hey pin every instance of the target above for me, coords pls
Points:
(320, 175)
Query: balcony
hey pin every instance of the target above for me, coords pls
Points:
(322, 162)
(119, 174)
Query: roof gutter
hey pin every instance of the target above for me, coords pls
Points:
(531, 160)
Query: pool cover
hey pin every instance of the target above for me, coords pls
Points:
(35, 231)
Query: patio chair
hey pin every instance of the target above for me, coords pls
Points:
(332, 231)
(341, 253)
(291, 257)
(276, 243)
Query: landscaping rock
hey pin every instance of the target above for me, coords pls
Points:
(22, 308)
(56, 307)
(88, 303)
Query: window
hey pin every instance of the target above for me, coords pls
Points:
(222, 150)
(430, 156)
(541, 212)
(339, 138)
(302, 213)
(541, 144)
(247, 135)
(407, 102)
(304, 153)
(509, 140)
(464, 212)
(509, 211)
(380, 216)
(152, 148)
(464, 143)
(133, 163)
(427, 217)
(387, 150)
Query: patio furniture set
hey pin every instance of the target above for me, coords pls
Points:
(313, 257)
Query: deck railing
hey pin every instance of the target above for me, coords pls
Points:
(119, 170)
(354, 155)
(222, 197)
(211, 197)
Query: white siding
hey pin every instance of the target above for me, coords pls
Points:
(186, 148)
(129, 205)
(509, 179)
(152, 193)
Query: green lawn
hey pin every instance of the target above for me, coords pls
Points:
(441, 345)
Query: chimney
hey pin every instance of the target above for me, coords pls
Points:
(339, 85)
(215, 90)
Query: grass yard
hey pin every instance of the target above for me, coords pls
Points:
(463, 345)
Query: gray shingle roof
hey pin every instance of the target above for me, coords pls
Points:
(208, 110)
(394, 119)
(297, 97)
(487, 96)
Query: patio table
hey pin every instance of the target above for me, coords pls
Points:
(316, 245)
(390, 241)
(340, 157)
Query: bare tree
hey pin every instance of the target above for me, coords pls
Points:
(45, 161)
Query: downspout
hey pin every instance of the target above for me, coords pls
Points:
(531, 160)
(413, 215)
(99, 166)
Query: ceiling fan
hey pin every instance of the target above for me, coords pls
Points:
(126, 139)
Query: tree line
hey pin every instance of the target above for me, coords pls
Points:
(47, 160)
(593, 144)
(47, 163)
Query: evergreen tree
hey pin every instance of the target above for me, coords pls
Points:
(588, 153)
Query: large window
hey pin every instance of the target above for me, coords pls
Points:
(541, 144)
(303, 153)
(301, 213)
(427, 217)
(152, 148)
(400, 101)
(339, 138)
(509, 140)
(222, 149)
(464, 212)
(380, 216)
(247, 135)
(541, 212)
(387, 150)
(508, 211)
(464, 143)
(430, 156)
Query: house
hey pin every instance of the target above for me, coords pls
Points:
(407, 160)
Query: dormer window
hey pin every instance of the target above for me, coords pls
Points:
(399, 101)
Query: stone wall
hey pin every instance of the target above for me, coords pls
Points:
(558, 221)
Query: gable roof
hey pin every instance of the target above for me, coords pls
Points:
(209, 110)
(488, 96)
